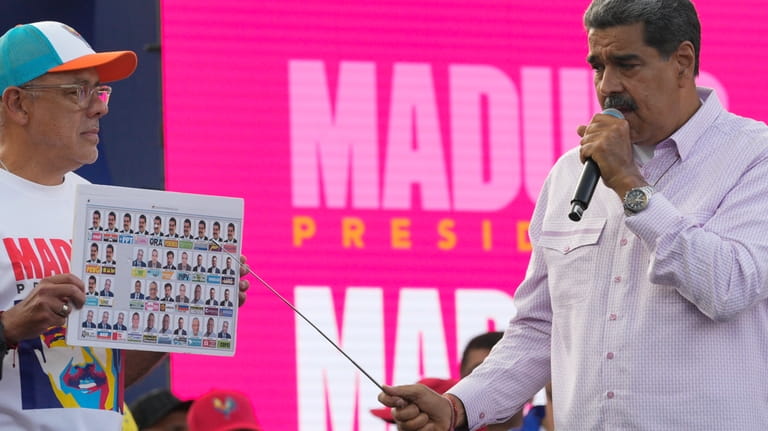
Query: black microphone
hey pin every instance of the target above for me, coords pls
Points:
(588, 181)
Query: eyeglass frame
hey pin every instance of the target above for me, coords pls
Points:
(84, 94)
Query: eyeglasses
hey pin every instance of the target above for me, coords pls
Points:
(83, 92)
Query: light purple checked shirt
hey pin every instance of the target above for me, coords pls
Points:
(656, 321)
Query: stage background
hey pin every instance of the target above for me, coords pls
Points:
(389, 155)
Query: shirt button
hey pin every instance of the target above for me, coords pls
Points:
(612, 316)
(617, 279)
(623, 242)
(566, 249)
(609, 355)
(482, 415)
(610, 395)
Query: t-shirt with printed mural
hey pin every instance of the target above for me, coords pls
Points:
(46, 383)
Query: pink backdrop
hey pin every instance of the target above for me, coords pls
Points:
(389, 156)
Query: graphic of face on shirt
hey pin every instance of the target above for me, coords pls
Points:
(55, 375)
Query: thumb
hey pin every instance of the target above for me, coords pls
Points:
(412, 393)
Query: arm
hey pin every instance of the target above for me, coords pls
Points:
(718, 262)
(507, 378)
(139, 363)
(706, 229)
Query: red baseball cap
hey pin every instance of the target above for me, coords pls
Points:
(438, 385)
(222, 410)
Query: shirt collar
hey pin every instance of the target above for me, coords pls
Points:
(685, 137)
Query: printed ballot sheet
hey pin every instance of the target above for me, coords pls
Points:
(161, 270)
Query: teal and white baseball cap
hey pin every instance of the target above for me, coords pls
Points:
(31, 50)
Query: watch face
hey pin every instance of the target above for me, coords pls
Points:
(636, 200)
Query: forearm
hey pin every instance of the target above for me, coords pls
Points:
(139, 363)
(721, 270)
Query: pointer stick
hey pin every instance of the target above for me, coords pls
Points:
(261, 280)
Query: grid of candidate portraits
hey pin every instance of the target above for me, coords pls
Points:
(160, 279)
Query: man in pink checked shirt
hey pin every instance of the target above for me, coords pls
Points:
(651, 312)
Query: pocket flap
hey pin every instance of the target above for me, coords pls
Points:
(567, 236)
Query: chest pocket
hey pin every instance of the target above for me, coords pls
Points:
(570, 251)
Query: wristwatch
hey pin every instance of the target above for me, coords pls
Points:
(637, 199)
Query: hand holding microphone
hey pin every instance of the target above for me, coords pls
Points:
(590, 175)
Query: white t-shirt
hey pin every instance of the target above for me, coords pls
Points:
(47, 385)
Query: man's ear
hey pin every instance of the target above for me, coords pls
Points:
(15, 105)
(685, 60)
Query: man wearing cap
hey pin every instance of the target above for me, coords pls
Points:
(53, 98)
(222, 410)
(160, 410)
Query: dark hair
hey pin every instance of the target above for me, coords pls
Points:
(668, 23)
(483, 341)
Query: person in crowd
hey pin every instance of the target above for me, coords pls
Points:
(160, 410)
(222, 410)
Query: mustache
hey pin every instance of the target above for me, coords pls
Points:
(621, 102)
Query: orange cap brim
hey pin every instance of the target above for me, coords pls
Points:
(111, 66)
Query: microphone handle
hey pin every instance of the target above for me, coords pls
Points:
(588, 181)
(590, 175)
